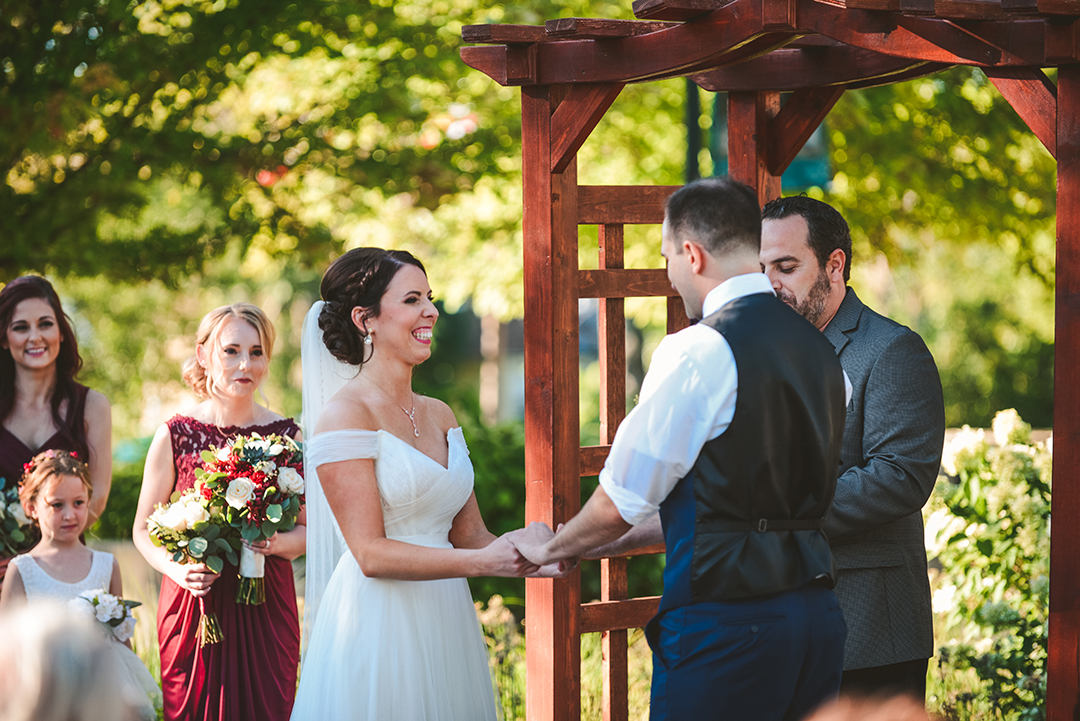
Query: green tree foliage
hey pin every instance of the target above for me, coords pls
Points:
(951, 201)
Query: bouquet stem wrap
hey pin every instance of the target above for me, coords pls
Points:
(252, 588)
(209, 630)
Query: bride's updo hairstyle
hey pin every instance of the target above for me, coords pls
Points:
(357, 279)
(193, 373)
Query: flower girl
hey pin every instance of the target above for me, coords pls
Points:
(55, 493)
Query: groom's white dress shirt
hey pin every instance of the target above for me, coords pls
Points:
(687, 398)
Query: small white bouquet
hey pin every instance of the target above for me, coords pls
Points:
(112, 612)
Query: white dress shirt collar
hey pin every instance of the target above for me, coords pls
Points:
(733, 288)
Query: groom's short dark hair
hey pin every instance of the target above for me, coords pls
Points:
(720, 214)
(826, 228)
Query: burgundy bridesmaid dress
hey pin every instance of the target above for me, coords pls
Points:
(251, 673)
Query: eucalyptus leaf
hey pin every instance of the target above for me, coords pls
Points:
(215, 564)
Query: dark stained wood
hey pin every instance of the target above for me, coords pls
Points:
(633, 283)
(607, 615)
(629, 204)
(1033, 96)
(749, 114)
(1020, 7)
(592, 459)
(969, 9)
(1059, 7)
(796, 69)
(551, 419)
(884, 5)
(928, 39)
(676, 315)
(505, 64)
(586, 28)
(796, 122)
(780, 14)
(917, 7)
(1064, 633)
(613, 587)
(679, 10)
(503, 34)
(612, 339)
(575, 119)
(1063, 42)
(918, 70)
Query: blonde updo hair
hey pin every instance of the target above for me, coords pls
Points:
(193, 373)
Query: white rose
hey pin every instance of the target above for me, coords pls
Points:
(82, 606)
(18, 513)
(239, 492)
(267, 467)
(195, 512)
(107, 608)
(125, 629)
(290, 481)
(171, 517)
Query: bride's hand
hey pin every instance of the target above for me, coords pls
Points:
(500, 558)
(195, 578)
(559, 569)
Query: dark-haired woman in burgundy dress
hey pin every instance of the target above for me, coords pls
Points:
(251, 673)
(41, 404)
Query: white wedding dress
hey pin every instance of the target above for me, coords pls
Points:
(385, 650)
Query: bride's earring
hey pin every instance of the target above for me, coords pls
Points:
(367, 339)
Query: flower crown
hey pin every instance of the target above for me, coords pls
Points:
(28, 468)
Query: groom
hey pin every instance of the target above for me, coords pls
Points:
(735, 440)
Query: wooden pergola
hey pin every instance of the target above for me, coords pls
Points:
(571, 70)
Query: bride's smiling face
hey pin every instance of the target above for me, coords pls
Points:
(406, 317)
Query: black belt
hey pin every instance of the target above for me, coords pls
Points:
(762, 525)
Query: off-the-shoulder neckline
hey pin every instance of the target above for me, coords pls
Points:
(454, 432)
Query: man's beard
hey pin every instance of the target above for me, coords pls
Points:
(813, 305)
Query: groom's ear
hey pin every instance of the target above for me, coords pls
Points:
(697, 256)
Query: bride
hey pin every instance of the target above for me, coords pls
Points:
(393, 630)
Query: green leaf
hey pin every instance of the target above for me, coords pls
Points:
(208, 456)
(215, 563)
(273, 513)
(212, 531)
(231, 555)
(197, 546)
(250, 532)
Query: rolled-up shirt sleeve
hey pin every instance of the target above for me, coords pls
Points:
(686, 399)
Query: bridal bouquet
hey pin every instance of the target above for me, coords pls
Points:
(193, 528)
(17, 532)
(112, 612)
(259, 480)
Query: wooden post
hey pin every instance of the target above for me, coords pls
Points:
(1064, 640)
(749, 114)
(552, 438)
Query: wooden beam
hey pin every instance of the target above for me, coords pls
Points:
(1020, 7)
(1015, 42)
(1034, 98)
(1059, 7)
(1063, 42)
(631, 613)
(632, 283)
(918, 70)
(797, 120)
(627, 204)
(1064, 633)
(592, 459)
(749, 114)
(892, 6)
(576, 117)
(613, 587)
(790, 69)
(508, 65)
(503, 34)
(552, 492)
(969, 9)
(678, 10)
(611, 333)
(596, 29)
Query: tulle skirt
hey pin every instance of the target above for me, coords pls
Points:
(140, 689)
(385, 650)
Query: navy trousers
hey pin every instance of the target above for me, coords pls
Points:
(771, 659)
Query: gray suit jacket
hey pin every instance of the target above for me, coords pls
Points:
(889, 463)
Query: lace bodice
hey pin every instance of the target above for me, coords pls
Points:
(191, 437)
(40, 585)
(419, 497)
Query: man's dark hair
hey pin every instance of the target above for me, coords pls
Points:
(720, 214)
(827, 229)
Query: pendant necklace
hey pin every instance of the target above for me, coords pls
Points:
(411, 414)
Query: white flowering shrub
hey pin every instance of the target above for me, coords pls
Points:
(988, 525)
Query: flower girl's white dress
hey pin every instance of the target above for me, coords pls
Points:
(140, 689)
(405, 650)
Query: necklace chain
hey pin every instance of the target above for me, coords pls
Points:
(411, 414)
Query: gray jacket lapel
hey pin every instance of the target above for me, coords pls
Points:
(846, 320)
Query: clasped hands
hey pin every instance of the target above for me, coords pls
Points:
(532, 544)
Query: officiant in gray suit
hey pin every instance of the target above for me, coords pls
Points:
(890, 455)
